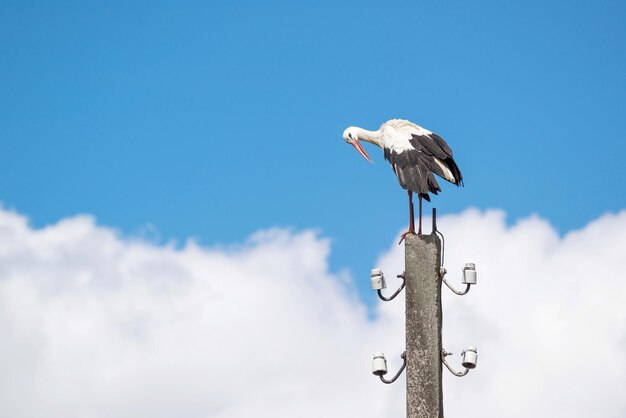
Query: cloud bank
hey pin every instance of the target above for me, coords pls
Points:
(93, 324)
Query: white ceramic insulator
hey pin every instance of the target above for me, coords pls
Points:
(379, 364)
(378, 279)
(470, 357)
(469, 274)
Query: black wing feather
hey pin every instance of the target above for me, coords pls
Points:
(434, 146)
(414, 171)
(414, 168)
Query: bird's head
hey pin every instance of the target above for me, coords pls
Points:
(351, 136)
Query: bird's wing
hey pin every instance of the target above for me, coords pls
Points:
(430, 145)
(422, 139)
(414, 171)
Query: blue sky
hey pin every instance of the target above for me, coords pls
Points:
(214, 120)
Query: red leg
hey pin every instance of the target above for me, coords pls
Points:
(412, 218)
(419, 230)
(411, 214)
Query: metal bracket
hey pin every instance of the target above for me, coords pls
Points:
(387, 299)
(442, 274)
(382, 378)
(445, 353)
(438, 232)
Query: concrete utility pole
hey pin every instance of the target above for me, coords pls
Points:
(424, 355)
(424, 392)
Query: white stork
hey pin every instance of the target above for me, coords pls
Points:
(415, 154)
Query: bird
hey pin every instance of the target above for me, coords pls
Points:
(415, 154)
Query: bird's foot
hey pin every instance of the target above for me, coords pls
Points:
(405, 234)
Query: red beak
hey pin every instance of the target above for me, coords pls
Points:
(357, 145)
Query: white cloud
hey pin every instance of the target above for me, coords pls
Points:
(95, 325)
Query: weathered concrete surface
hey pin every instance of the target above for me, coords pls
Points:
(423, 326)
